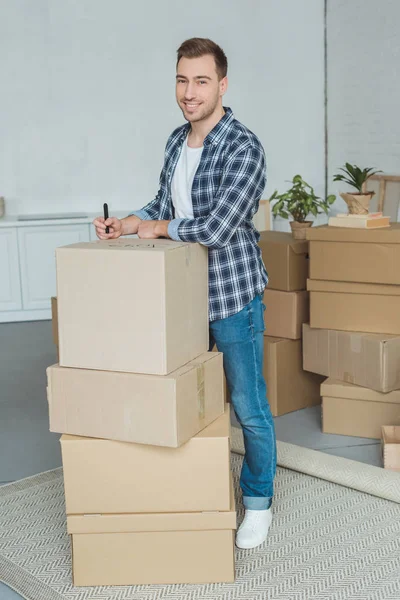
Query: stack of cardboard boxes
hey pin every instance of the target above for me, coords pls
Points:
(354, 332)
(140, 404)
(290, 387)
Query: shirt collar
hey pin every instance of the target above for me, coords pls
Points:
(221, 128)
(218, 132)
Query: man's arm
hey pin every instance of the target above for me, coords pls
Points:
(240, 189)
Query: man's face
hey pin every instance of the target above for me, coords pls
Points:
(198, 90)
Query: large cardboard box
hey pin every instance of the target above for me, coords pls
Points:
(285, 313)
(285, 259)
(355, 255)
(132, 305)
(163, 410)
(131, 549)
(370, 360)
(289, 387)
(104, 476)
(352, 410)
(365, 307)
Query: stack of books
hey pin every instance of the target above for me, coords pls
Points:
(368, 221)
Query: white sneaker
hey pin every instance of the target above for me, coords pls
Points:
(254, 528)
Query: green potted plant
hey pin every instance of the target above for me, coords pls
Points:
(299, 202)
(357, 202)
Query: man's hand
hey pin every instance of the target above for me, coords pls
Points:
(117, 227)
(153, 229)
(114, 225)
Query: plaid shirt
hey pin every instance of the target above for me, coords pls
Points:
(226, 192)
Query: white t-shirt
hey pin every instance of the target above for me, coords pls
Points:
(182, 181)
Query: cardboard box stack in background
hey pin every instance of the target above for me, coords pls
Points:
(290, 387)
(354, 331)
(140, 404)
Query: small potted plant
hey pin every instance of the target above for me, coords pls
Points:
(299, 202)
(357, 202)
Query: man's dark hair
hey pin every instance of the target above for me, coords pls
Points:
(196, 47)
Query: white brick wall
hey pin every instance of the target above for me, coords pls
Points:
(363, 86)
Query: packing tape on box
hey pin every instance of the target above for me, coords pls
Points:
(343, 471)
(200, 389)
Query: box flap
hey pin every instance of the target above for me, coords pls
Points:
(317, 285)
(387, 235)
(218, 428)
(122, 375)
(286, 239)
(194, 364)
(376, 337)
(125, 244)
(274, 340)
(339, 389)
(123, 523)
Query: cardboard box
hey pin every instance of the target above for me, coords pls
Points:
(132, 305)
(369, 308)
(103, 476)
(285, 313)
(390, 444)
(262, 218)
(285, 259)
(163, 410)
(131, 549)
(370, 360)
(289, 387)
(349, 409)
(355, 255)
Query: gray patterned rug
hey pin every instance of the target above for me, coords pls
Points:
(326, 542)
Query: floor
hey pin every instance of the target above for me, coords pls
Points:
(27, 447)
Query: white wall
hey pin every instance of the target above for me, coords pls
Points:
(88, 95)
(363, 86)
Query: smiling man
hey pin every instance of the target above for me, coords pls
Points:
(210, 186)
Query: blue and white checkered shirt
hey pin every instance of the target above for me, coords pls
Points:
(226, 192)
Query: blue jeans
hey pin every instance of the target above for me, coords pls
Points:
(240, 338)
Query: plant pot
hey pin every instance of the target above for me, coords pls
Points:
(299, 229)
(358, 204)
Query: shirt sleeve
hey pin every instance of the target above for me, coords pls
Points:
(237, 199)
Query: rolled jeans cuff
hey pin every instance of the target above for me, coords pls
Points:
(257, 502)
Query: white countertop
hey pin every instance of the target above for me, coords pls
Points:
(12, 220)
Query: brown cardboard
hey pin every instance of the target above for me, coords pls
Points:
(150, 558)
(163, 410)
(355, 255)
(262, 218)
(103, 476)
(390, 445)
(289, 387)
(370, 360)
(285, 259)
(352, 410)
(369, 308)
(132, 305)
(153, 548)
(285, 313)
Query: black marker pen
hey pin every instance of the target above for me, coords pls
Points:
(105, 208)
